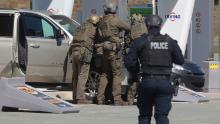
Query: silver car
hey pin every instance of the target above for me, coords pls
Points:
(38, 43)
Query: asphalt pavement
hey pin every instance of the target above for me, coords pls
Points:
(182, 113)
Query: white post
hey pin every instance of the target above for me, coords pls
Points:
(154, 7)
(61, 7)
(178, 22)
(64, 7)
(201, 30)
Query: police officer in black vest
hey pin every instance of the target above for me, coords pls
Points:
(156, 54)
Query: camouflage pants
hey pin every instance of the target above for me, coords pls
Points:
(132, 92)
(113, 62)
(80, 76)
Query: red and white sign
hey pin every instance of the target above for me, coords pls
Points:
(173, 16)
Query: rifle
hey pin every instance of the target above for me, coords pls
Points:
(126, 43)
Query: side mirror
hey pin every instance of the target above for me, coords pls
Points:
(59, 36)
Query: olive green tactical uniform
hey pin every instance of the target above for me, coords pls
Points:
(110, 27)
(82, 49)
(132, 93)
(138, 26)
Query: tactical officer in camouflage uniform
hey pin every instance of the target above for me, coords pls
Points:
(138, 28)
(110, 27)
(82, 50)
(156, 53)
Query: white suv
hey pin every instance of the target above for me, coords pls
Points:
(38, 43)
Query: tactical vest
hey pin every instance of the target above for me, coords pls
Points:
(85, 35)
(104, 28)
(80, 32)
(137, 29)
(108, 29)
(156, 55)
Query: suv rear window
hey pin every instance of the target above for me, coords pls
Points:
(6, 25)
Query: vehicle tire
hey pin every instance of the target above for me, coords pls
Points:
(92, 84)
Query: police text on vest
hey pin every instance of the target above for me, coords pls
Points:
(159, 45)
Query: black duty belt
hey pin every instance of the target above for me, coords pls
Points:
(165, 77)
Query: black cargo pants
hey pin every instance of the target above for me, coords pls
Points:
(154, 93)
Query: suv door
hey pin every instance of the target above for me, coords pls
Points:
(6, 40)
(47, 48)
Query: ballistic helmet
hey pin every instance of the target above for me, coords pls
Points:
(137, 17)
(94, 19)
(110, 8)
(153, 21)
